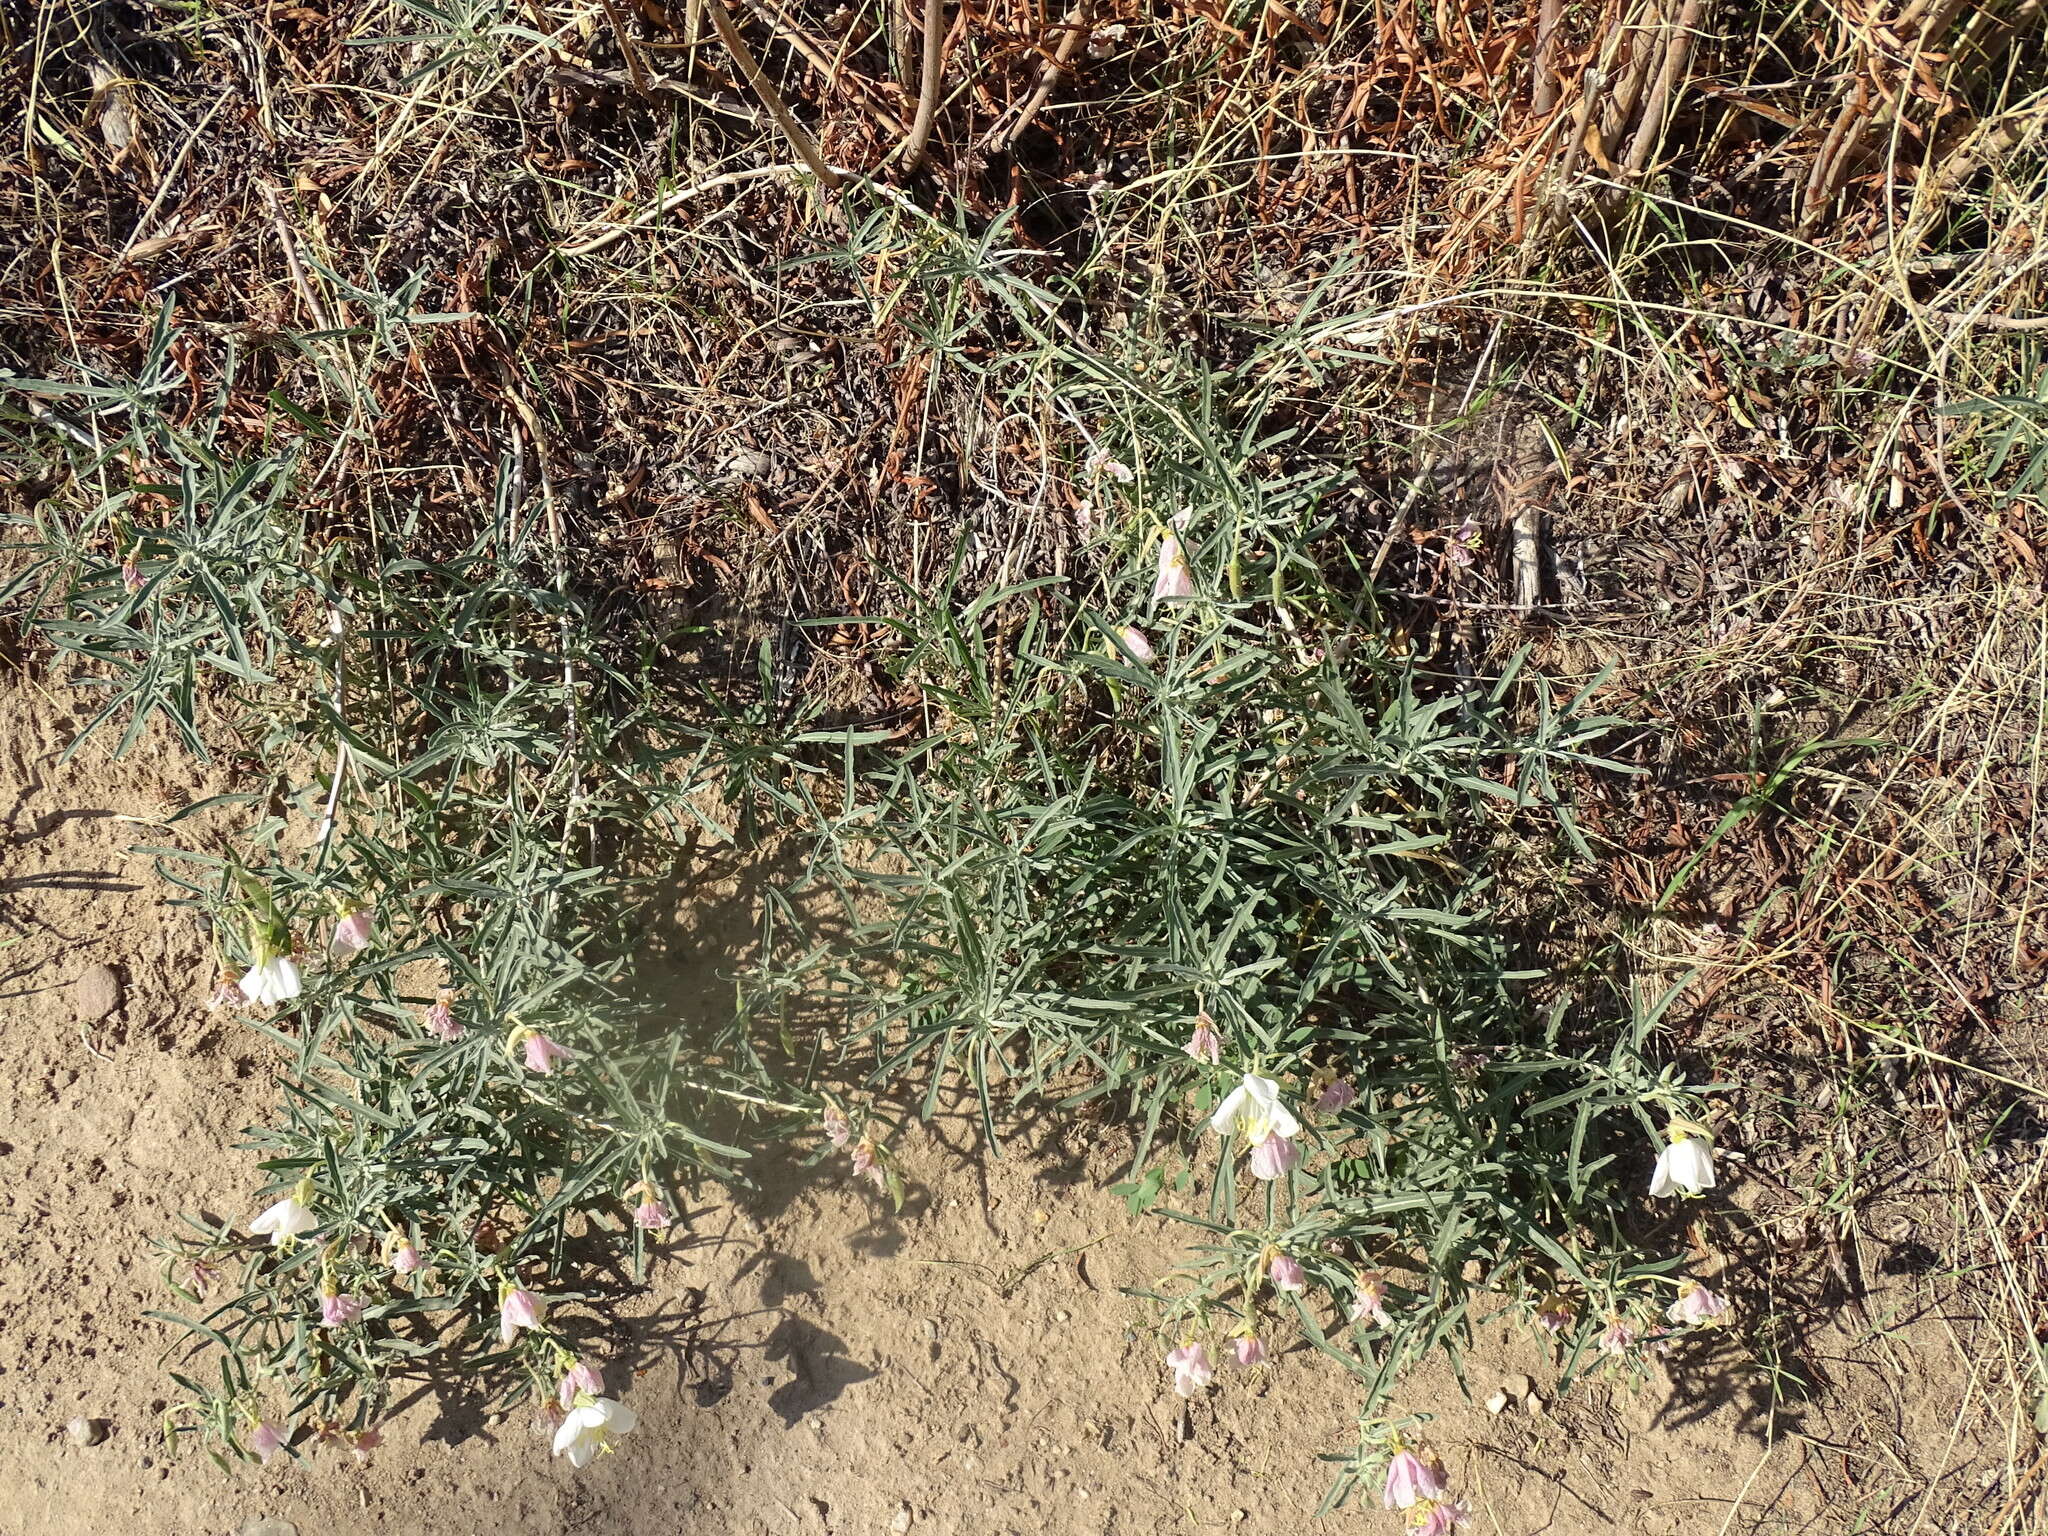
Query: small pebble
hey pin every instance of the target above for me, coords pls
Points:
(267, 1527)
(900, 1522)
(96, 994)
(83, 1431)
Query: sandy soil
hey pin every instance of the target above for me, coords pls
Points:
(803, 1362)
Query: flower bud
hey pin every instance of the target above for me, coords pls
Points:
(1134, 641)
(351, 934)
(1175, 581)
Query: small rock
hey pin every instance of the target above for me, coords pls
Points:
(900, 1522)
(1498, 1403)
(83, 1431)
(749, 464)
(96, 994)
(268, 1527)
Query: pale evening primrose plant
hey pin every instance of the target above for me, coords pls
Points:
(1411, 1479)
(272, 981)
(579, 1379)
(1253, 1111)
(289, 1218)
(1191, 1368)
(519, 1309)
(1176, 579)
(1439, 1517)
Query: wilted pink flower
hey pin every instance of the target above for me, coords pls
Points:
(1555, 1315)
(1620, 1334)
(1134, 641)
(1287, 1274)
(1335, 1097)
(406, 1259)
(863, 1156)
(440, 1021)
(1272, 1157)
(225, 994)
(1176, 581)
(518, 1309)
(131, 575)
(1410, 1479)
(351, 934)
(838, 1129)
(651, 1215)
(579, 1378)
(1191, 1369)
(1251, 1350)
(542, 1053)
(1204, 1044)
(1371, 1301)
(362, 1442)
(339, 1311)
(1439, 1517)
(1696, 1304)
(1458, 548)
(266, 1440)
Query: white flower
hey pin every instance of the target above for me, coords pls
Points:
(589, 1429)
(1684, 1168)
(1254, 1111)
(271, 982)
(284, 1221)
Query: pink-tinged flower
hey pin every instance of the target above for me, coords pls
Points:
(1697, 1305)
(1410, 1480)
(131, 575)
(440, 1020)
(1205, 1044)
(1287, 1275)
(351, 934)
(542, 1053)
(518, 1309)
(288, 1219)
(863, 1156)
(1371, 1301)
(1251, 1350)
(1176, 580)
(651, 1215)
(1338, 1095)
(339, 1311)
(1134, 641)
(1191, 1369)
(362, 1442)
(200, 1275)
(266, 1440)
(838, 1129)
(225, 994)
(1619, 1337)
(406, 1259)
(1555, 1315)
(1272, 1157)
(579, 1378)
(1439, 1517)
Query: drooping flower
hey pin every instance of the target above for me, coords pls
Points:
(579, 1379)
(651, 1215)
(1287, 1274)
(1685, 1167)
(1251, 1350)
(838, 1129)
(351, 934)
(1191, 1368)
(266, 1440)
(440, 1021)
(1339, 1095)
(519, 1309)
(1619, 1336)
(1439, 1517)
(362, 1442)
(1411, 1479)
(225, 994)
(284, 1221)
(131, 575)
(271, 981)
(1134, 641)
(1176, 580)
(338, 1311)
(1697, 1305)
(406, 1258)
(542, 1053)
(1272, 1157)
(1371, 1301)
(1205, 1044)
(1555, 1314)
(863, 1156)
(589, 1428)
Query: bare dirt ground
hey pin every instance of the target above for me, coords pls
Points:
(803, 1361)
